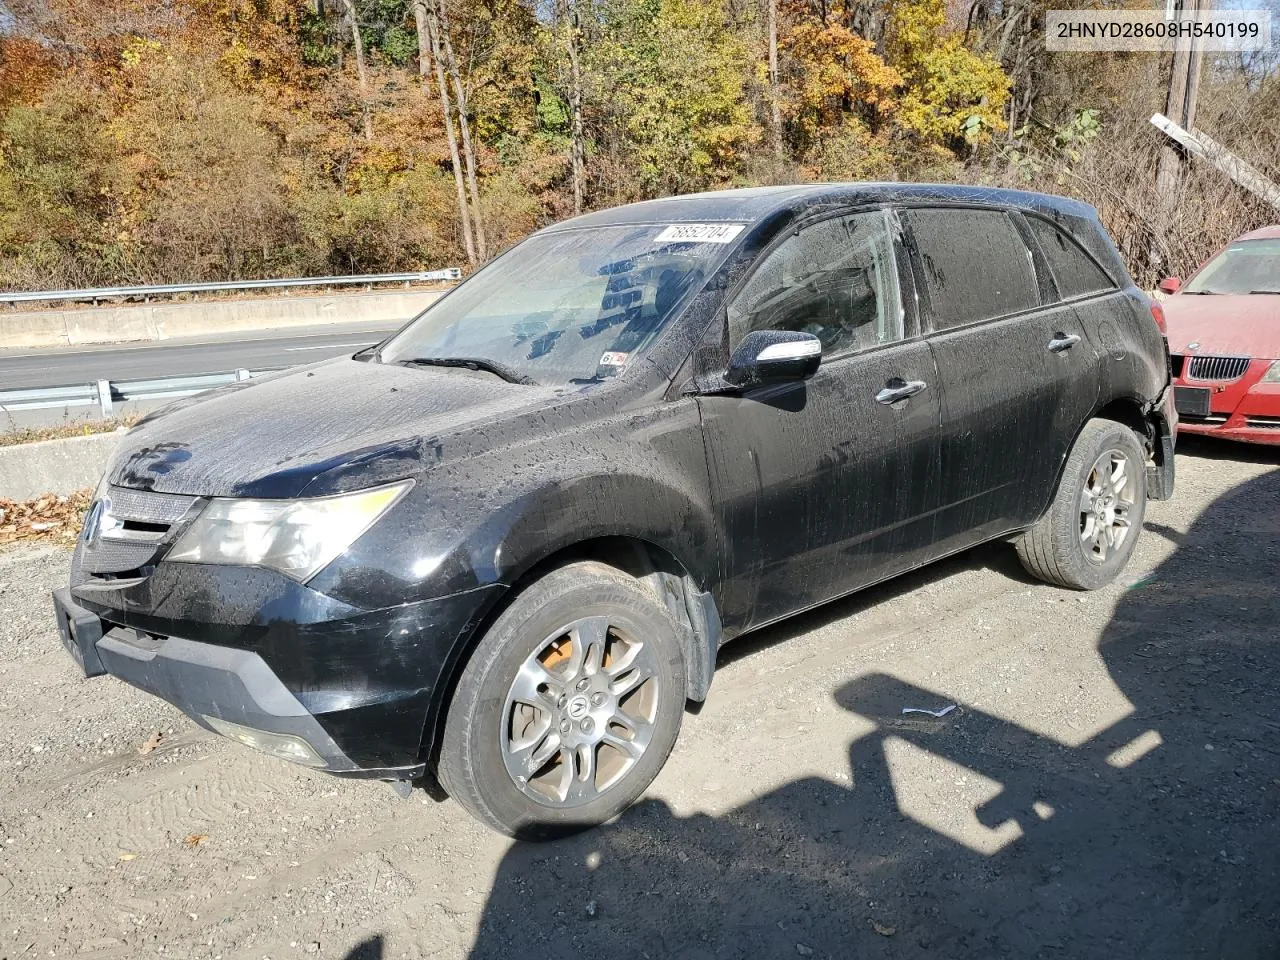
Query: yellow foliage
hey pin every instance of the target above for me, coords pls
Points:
(136, 50)
(949, 91)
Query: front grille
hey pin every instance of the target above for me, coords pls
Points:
(1213, 420)
(131, 529)
(1266, 423)
(143, 506)
(1217, 368)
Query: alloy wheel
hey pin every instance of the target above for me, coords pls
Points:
(1105, 502)
(580, 713)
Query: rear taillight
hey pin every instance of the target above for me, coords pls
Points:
(1157, 314)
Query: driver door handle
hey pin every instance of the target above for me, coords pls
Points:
(1063, 341)
(897, 390)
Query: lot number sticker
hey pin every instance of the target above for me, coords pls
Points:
(700, 233)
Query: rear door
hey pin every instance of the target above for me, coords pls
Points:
(1015, 368)
(825, 485)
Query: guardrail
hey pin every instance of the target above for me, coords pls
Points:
(94, 294)
(106, 393)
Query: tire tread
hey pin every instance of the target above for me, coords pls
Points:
(1046, 549)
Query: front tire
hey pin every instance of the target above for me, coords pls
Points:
(569, 706)
(1092, 527)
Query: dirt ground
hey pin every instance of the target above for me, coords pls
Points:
(1108, 786)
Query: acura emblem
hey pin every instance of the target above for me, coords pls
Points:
(1193, 345)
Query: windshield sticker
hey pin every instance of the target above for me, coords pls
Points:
(613, 358)
(700, 233)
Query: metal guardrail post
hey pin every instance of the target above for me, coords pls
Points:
(104, 397)
(242, 374)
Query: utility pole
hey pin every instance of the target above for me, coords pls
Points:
(1180, 105)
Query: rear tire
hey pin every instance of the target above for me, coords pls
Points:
(569, 706)
(1092, 527)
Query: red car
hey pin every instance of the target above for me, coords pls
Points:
(1224, 341)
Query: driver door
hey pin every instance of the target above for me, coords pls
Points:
(826, 485)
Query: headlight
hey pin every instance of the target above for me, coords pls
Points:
(297, 537)
(1273, 373)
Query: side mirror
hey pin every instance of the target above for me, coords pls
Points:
(774, 356)
(1170, 285)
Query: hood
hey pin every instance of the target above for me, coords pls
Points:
(338, 425)
(1225, 324)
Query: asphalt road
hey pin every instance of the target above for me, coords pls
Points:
(1107, 785)
(171, 358)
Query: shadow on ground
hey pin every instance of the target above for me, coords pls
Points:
(1158, 838)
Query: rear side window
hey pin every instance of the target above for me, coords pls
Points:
(975, 264)
(1074, 271)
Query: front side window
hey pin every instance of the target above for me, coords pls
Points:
(570, 307)
(976, 266)
(835, 279)
(1247, 266)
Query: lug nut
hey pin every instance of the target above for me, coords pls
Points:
(565, 726)
(588, 725)
(597, 699)
(583, 684)
(562, 701)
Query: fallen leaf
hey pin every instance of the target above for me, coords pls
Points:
(128, 856)
(195, 839)
(153, 741)
(881, 929)
(44, 518)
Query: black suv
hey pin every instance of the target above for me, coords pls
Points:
(498, 552)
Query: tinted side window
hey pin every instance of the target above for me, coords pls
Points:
(1076, 274)
(975, 264)
(835, 279)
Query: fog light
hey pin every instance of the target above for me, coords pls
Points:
(282, 746)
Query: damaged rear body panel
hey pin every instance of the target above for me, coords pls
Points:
(966, 337)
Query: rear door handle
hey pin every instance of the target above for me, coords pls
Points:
(897, 389)
(1063, 341)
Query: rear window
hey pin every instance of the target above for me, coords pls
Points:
(975, 264)
(1073, 270)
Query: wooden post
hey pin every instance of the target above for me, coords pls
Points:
(1214, 153)
(1180, 107)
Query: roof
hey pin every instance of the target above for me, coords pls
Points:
(757, 203)
(1265, 233)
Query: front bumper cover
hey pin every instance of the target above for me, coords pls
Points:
(203, 680)
(359, 690)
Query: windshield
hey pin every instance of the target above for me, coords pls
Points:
(568, 307)
(1250, 266)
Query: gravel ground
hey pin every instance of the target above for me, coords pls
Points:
(1107, 786)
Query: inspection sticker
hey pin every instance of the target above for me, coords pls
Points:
(700, 233)
(613, 358)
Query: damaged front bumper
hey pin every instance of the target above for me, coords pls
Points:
(232, 692)
(354, 716)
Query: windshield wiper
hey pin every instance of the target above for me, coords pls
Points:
(1277, 292)
(1202, 293)
(472, 363)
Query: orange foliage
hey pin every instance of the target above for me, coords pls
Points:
(26, 68)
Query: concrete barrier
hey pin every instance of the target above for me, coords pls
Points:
(30, 470)
(163, 321)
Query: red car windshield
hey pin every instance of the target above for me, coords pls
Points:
(1248, 266)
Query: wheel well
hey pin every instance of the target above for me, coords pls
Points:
(692, 609)
(1133, 415)
(1128, 412)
